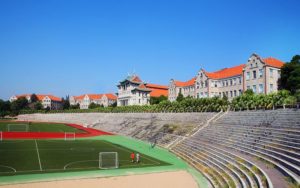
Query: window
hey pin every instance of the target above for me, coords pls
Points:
(226, 83)
(254, 88)
(271, 73)
(279, 73)
(260, 73)
(271, 87)
(231, 94)
(240, 92)
(240, 80)
(248, 87)
(216, 85)
(235, 93)
(261, 88)
(254, 74)
(247, 75)
(234, 81)
(231, 82)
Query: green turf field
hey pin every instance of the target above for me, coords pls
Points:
(37, 127)
(40, 156)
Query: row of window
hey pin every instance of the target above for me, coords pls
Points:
(260, 88)
(260, 74)
(230, 94)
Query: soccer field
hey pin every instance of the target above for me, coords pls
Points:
(37, 127)
(39, 156)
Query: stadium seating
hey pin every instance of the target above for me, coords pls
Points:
(238, 141)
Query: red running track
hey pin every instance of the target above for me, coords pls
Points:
(89, 132)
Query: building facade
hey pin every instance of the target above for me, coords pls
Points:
(50, 101)
(85, 100)
(260, 75)
(185, 88)
(133, 91)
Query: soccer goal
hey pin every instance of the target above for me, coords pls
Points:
(20, 127)
(108, 160)
(69, 136)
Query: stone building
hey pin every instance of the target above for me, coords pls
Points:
(259, 74)
(51, 101)
(85, 100)
(133, 91)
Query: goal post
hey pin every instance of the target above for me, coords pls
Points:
(18, 127)
(70, 136)
(1, 136)
(108, 160)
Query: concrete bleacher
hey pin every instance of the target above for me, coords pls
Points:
(245, 145)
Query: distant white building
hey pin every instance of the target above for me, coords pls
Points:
(51, 101)
(133, 91)
(85, 100)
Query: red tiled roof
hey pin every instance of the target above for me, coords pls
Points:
(142, 86)
(80, 97)
(111, 96)
(41, 97)
(157, 90)
(136, 79)
(96, 96)
(226, 72)
(156, 86)
(273, 62)
(52, 97)
(23, 95)
(185, 84)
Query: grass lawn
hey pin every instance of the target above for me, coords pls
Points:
(36, 127)
(40, 156)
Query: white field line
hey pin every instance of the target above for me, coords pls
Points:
(9, 168)
(38, 154)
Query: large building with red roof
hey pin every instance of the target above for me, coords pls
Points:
(133, 91)
(50, 101)
(85, 100)
(259, 74)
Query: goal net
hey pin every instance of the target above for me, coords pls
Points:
(20, 127)
(108, 160)
(69, 136)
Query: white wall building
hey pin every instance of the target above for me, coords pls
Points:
(85, 100)
(53, 102)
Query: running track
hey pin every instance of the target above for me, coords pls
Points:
(89, 132)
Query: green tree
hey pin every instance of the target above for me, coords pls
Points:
(94, 105)
(180, 97)
(76, 106)
(38, 106)
(4, 108)
(65, 103)
(290, 75)
(157, 100)
(19, 104)
(33, 98)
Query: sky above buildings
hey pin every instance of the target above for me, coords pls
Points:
(76, 46)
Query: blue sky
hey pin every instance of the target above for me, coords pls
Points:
(84, 46)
